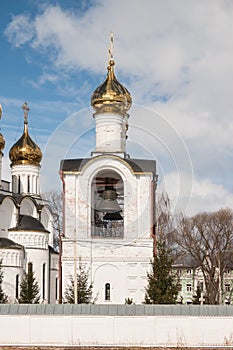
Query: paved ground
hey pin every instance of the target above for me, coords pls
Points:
(108, 348)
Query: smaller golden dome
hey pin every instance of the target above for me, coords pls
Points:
(2, 142)
(25, 150)
(111, 96)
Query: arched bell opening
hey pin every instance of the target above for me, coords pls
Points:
(107, 205)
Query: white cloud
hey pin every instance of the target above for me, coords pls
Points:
(176, 48)
(20, 30)
(45, 78)
(205, 195)
(176, 57)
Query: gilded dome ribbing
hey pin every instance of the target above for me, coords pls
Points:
(111, 96)
(25, 150)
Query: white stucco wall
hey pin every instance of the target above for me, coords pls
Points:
(68, 330)
(123, 264)
(110, 132)
(12, 265)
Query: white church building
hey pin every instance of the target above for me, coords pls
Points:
(26, 222)
(109, 205)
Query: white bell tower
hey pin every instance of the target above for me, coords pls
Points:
(109, 204)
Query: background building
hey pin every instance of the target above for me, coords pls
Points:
(26, 222)
(191, 278)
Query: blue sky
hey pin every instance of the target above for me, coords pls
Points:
(175, 57)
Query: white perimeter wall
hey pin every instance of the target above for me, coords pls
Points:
(68, 330)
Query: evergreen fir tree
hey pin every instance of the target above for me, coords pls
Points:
(197, 296)
(3, 297)
(29, 289)
(84, 289)
(162, 284)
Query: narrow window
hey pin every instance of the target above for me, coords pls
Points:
(28, 183)
(56, 289)
(43, 282)
(13, 183)
(17, 286)
(19, 185)
(189, 287)
(107, 291)
(227, 287)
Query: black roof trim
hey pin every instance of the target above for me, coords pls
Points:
(137, 165)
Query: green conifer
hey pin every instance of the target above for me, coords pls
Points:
(29, 289)
(84, 289)
(162, 284)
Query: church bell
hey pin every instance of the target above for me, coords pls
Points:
(108, 203)
(113, 216)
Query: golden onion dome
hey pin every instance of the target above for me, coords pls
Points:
(111, 96)
(2, 142)
(25, 150)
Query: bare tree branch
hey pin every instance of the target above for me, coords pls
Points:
(208, 238)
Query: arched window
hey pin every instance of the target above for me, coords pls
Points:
(107, 291)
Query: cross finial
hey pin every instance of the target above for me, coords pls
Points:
(26, 110)
(202, 298)
(110, 48)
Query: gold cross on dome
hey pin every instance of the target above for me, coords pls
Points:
(26, 111)
(110, 48)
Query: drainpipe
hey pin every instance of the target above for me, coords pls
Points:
(49, 277)
(153, 215)
(61, 235)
